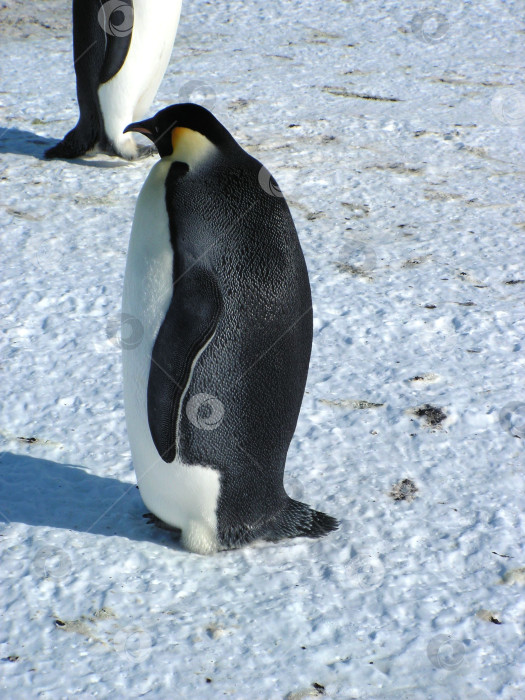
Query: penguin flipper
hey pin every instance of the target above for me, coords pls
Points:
(189, 324)
(118, 39)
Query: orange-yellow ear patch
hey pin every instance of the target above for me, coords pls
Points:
(178, 134)
(190, 146)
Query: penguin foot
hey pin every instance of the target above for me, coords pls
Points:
(145, 151)
(153, 520)
(293, 519)
(71, 146)
(297, 519)
(124, 147)
(134, 152)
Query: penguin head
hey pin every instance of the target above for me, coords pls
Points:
(185, 132)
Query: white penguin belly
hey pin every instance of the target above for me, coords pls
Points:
(128, 95)
(182, 495)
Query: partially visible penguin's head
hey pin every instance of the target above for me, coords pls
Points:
(185, 132)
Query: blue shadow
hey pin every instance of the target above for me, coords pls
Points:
(39, 492)
(24, 143)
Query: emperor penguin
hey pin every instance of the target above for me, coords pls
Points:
(217, 284)
(121, 51)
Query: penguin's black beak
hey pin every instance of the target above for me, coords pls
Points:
(145, 127)
(155, 131)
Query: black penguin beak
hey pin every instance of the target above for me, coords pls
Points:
(145, 127)
(151, 129)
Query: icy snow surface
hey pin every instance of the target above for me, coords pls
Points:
(397, 133)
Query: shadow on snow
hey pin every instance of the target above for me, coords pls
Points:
(26, 143)
(42, 493)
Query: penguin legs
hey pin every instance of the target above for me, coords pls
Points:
(89, 50)
(117, 74)
(99, 62)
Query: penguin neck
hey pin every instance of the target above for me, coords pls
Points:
(190, 147)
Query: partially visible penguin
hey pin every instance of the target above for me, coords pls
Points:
(217, 284)
(121, 51)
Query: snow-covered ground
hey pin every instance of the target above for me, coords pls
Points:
(397, 133)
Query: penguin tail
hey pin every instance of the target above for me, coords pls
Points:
(297, 519)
